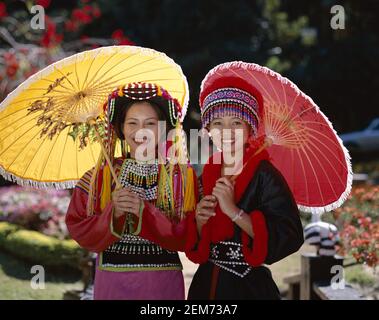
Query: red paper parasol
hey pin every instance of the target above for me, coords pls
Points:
(300, 139)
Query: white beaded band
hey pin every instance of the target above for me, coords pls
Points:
(238, 215)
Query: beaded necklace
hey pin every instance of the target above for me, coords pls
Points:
(142, 178)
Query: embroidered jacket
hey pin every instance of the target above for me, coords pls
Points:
(262, 192)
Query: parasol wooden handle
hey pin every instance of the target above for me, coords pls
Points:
(113, 172)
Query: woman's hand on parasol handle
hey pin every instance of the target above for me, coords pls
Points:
(125, 201)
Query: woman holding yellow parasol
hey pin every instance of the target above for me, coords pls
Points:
(124, 225)
(53, 128)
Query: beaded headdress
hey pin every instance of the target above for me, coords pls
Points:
(230, 96)
(138, 91)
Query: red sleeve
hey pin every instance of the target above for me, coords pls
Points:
(197, 247)
(156, 227)
(255, 250)
(94, 233)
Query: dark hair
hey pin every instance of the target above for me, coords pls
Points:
(123, 104)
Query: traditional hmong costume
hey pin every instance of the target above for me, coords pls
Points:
(137, 258)
(231, 262)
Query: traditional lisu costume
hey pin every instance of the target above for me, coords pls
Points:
(137, 258)
(231, 262)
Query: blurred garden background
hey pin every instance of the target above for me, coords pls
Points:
(338, 68)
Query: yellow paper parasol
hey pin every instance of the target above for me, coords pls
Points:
(47, 136)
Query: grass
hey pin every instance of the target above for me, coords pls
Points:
(15, 277)
(15, 281)
(359, 275)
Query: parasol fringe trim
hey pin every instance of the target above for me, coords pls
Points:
(69, 184)
(344, 196)
(286, 81)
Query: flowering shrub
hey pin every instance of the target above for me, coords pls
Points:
(24, 51)
(358, 221)
(40, 210)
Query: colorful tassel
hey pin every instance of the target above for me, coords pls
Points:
(106, 187)
(189, 191)
(162, 182)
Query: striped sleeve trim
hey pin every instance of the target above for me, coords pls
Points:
(84, 182)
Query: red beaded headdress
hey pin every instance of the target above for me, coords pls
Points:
(230, 96)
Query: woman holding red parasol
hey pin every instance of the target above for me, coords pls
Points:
(248, 215)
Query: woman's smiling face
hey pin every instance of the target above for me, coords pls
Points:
(140, 126)
(229, 133)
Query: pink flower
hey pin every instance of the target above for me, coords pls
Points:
(125, 41)
(365, 222)
(3, 10)
(96, 12)
(51, 38)
(117, 34)
(87, 8)
(11, 64)
(120, 38)
(43, 3)
(81, 16)
(70, 26)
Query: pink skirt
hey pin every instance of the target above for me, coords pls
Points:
(139, 285)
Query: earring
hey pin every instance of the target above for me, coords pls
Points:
(125, 148)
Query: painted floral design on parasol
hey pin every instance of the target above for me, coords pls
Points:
(51, 125)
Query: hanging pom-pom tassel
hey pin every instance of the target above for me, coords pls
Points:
(170, 191)
(189, 191)
(179, 156)
(127, 149)
(177, 153)
(162, 182)
(106, 187)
